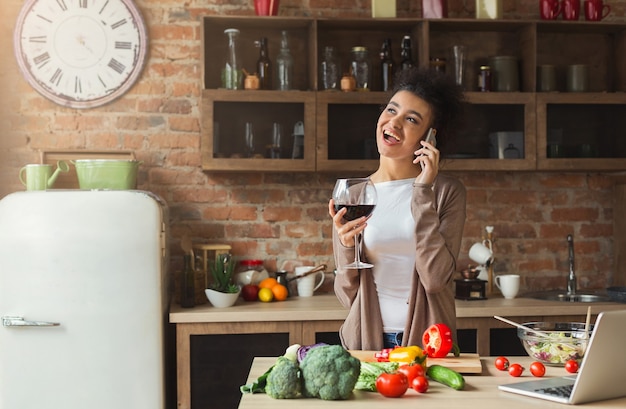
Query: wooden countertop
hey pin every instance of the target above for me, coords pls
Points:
(480, 391)
(326, 307)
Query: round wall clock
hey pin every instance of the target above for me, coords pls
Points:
(80, 53)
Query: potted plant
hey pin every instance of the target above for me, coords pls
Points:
(223, 292)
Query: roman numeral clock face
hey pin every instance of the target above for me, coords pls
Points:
(80, 53)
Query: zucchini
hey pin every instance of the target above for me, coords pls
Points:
(446, 376)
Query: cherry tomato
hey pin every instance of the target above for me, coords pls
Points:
(392, 385)
(571, 366)
(502, 363)
(537, 369)
(411, 371)
(420, 383)
(516, 370)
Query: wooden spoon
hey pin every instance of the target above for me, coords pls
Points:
(515, 324)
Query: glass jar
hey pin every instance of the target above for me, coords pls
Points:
(329, 70)
(231, 73)
(245, 265)
(361, 68)
(438, 64)
(484, 78)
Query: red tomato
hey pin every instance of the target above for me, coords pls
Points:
(516, 370)
(537, 369)
(420, 383)
(502, 363)
(392, 385)
(571, 366)
(411, 371)
(437, 340)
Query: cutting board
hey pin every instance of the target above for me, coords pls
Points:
(464, 363)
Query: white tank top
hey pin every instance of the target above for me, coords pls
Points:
(390, 245)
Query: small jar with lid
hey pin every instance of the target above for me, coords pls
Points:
(484, 78)
(360, 66)
(438, 64)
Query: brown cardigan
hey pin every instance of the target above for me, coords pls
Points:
(439, 213)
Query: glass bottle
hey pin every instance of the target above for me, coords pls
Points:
(386, 65)
(330, 70)
(406, 54)
(264, 66)
(187, 284)
(284, 65)
(361, 68)
(231, 73)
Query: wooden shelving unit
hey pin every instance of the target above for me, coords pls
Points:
(339, 127)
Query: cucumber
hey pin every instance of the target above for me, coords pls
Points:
(446, 376)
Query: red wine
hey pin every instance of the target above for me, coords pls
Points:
(355, 211)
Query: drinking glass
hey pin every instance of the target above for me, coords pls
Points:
(458, 52)
(358, 196)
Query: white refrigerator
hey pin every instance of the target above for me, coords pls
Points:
(83, 300)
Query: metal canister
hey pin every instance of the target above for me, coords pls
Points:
(484, 78)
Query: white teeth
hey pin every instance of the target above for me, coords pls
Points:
(391, 136)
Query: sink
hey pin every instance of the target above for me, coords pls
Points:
(564, 297)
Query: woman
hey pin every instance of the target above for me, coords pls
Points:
(414, 235)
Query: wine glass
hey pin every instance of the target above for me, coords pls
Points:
(358, 196)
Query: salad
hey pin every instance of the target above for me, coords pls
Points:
(557, 348)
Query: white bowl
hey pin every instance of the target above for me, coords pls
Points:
(221, 300)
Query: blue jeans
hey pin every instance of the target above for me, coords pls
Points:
(392, 339)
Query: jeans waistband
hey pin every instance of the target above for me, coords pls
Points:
(392, 339)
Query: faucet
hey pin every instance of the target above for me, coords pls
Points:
(571, 278)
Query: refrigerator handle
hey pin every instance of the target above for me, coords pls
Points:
(8, 321)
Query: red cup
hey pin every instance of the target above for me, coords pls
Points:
(571, 9)
(549, 9)
(262, 7)
(596, 10)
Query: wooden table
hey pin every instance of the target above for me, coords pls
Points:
(303, 317)
(481, 391)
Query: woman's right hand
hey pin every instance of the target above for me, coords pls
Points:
(346, 230)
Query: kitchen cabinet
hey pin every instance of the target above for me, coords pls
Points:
(303, 320)
(339, 126)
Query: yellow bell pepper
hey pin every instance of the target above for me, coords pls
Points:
(408, 354)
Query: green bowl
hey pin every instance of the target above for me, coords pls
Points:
(112, 174)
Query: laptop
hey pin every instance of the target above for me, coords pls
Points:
(601, 374)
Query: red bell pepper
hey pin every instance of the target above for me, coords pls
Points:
(437, 341)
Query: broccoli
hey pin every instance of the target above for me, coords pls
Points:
(329, 372)
(284, 381)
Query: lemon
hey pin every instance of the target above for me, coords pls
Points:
(266, 294)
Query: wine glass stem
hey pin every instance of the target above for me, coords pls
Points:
(357, 252)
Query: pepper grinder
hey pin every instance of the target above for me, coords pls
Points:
(281, 278)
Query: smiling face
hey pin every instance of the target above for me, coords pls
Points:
(401, 125)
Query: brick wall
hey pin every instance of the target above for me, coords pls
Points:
(281, 217)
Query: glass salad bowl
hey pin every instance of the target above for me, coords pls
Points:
(554, 343)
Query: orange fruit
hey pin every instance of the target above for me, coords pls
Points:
(268, 282)
(266, 294)
(280, 292)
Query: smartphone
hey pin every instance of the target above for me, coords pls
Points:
(430, 138)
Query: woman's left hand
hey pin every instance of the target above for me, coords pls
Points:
(428, 159)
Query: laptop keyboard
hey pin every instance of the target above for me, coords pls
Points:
(562, 391)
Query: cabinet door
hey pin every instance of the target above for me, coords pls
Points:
(499, 133)
(346, 125)
(581, 132)
(224, 140)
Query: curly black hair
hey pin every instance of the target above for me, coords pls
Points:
(443, 95)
